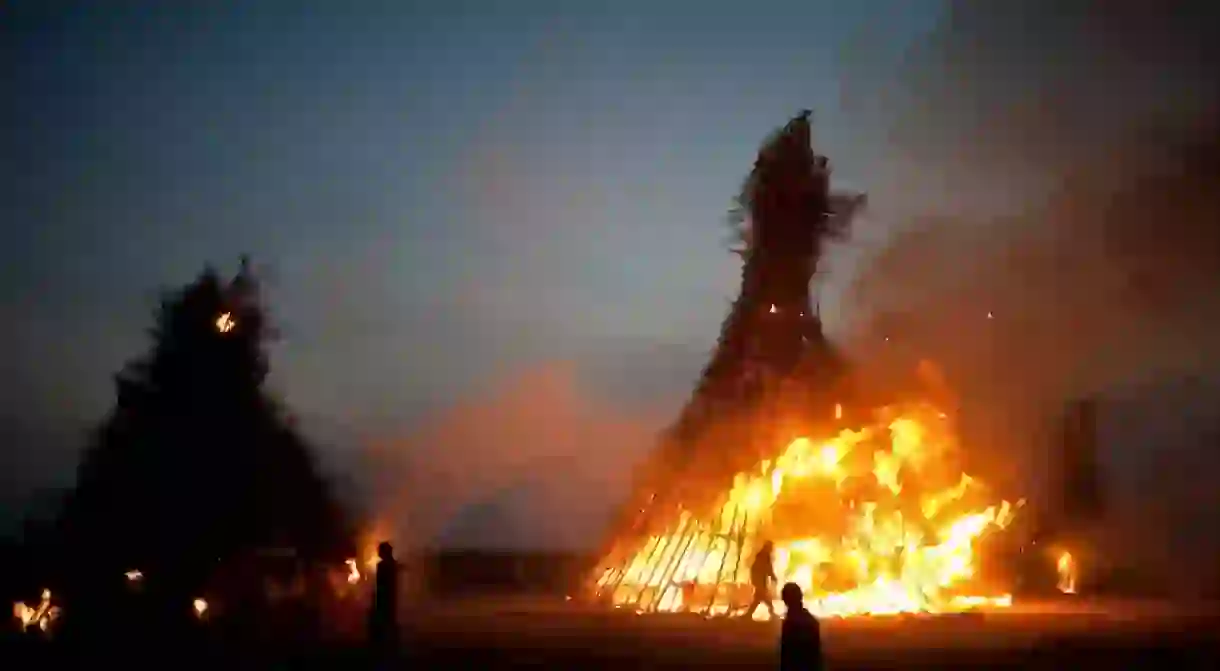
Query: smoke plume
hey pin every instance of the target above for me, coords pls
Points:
(1075, 246)
(534, 461)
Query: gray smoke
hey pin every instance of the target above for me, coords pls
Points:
(1074, 152)
(1072, 245)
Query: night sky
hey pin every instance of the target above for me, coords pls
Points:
(461, 209)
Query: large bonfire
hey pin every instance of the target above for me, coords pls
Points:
(880, 519)
(868, 512)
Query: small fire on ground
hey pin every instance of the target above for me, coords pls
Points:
(41, 615)
(354, 572)
(1066, 568)
(881, 520)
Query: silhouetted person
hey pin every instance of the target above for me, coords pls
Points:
(762, 572)
(383, 616)
(800, 640)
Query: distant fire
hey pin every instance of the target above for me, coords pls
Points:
(874, 521)
(134, 576)
(1066, 568)
(225, 323)
(201, 607)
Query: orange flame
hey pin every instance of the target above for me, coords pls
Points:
(1066, 567)
(868, 522)
(41, 616)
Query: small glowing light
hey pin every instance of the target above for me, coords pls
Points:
(201, 607)
(773, 309)
(838, 411)
(990, 315)
(353, 572)
(225, 323)
(134, 576)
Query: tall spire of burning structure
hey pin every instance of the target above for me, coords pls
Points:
(784, 217)
(879, 519)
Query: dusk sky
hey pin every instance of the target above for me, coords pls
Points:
(435, 190)
(439, 191)
(451, 198)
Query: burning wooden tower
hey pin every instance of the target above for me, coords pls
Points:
(712, 492)
(784, 216)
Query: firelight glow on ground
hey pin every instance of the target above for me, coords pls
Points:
(879, 520)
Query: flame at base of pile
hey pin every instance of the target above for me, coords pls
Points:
(876, 521)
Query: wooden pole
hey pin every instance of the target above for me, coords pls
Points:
(668, 576)
(668, 542)
(741, 544)
(631, 558)
(724, 558)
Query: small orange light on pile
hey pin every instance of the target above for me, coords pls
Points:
(225, 323)
(353, 572)
(201, 607)
(838, 411)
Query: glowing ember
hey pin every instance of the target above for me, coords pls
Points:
(201, 607)
(134, 576)
(353, 572)
(1066, 567)
(875, 521)
(225, 323)
(40, 616)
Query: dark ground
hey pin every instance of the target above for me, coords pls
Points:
(533, 632)
(523, 634)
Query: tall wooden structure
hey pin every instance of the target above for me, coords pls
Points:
(772, 350)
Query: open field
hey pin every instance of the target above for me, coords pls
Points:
(514, 633)
(539, 632)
